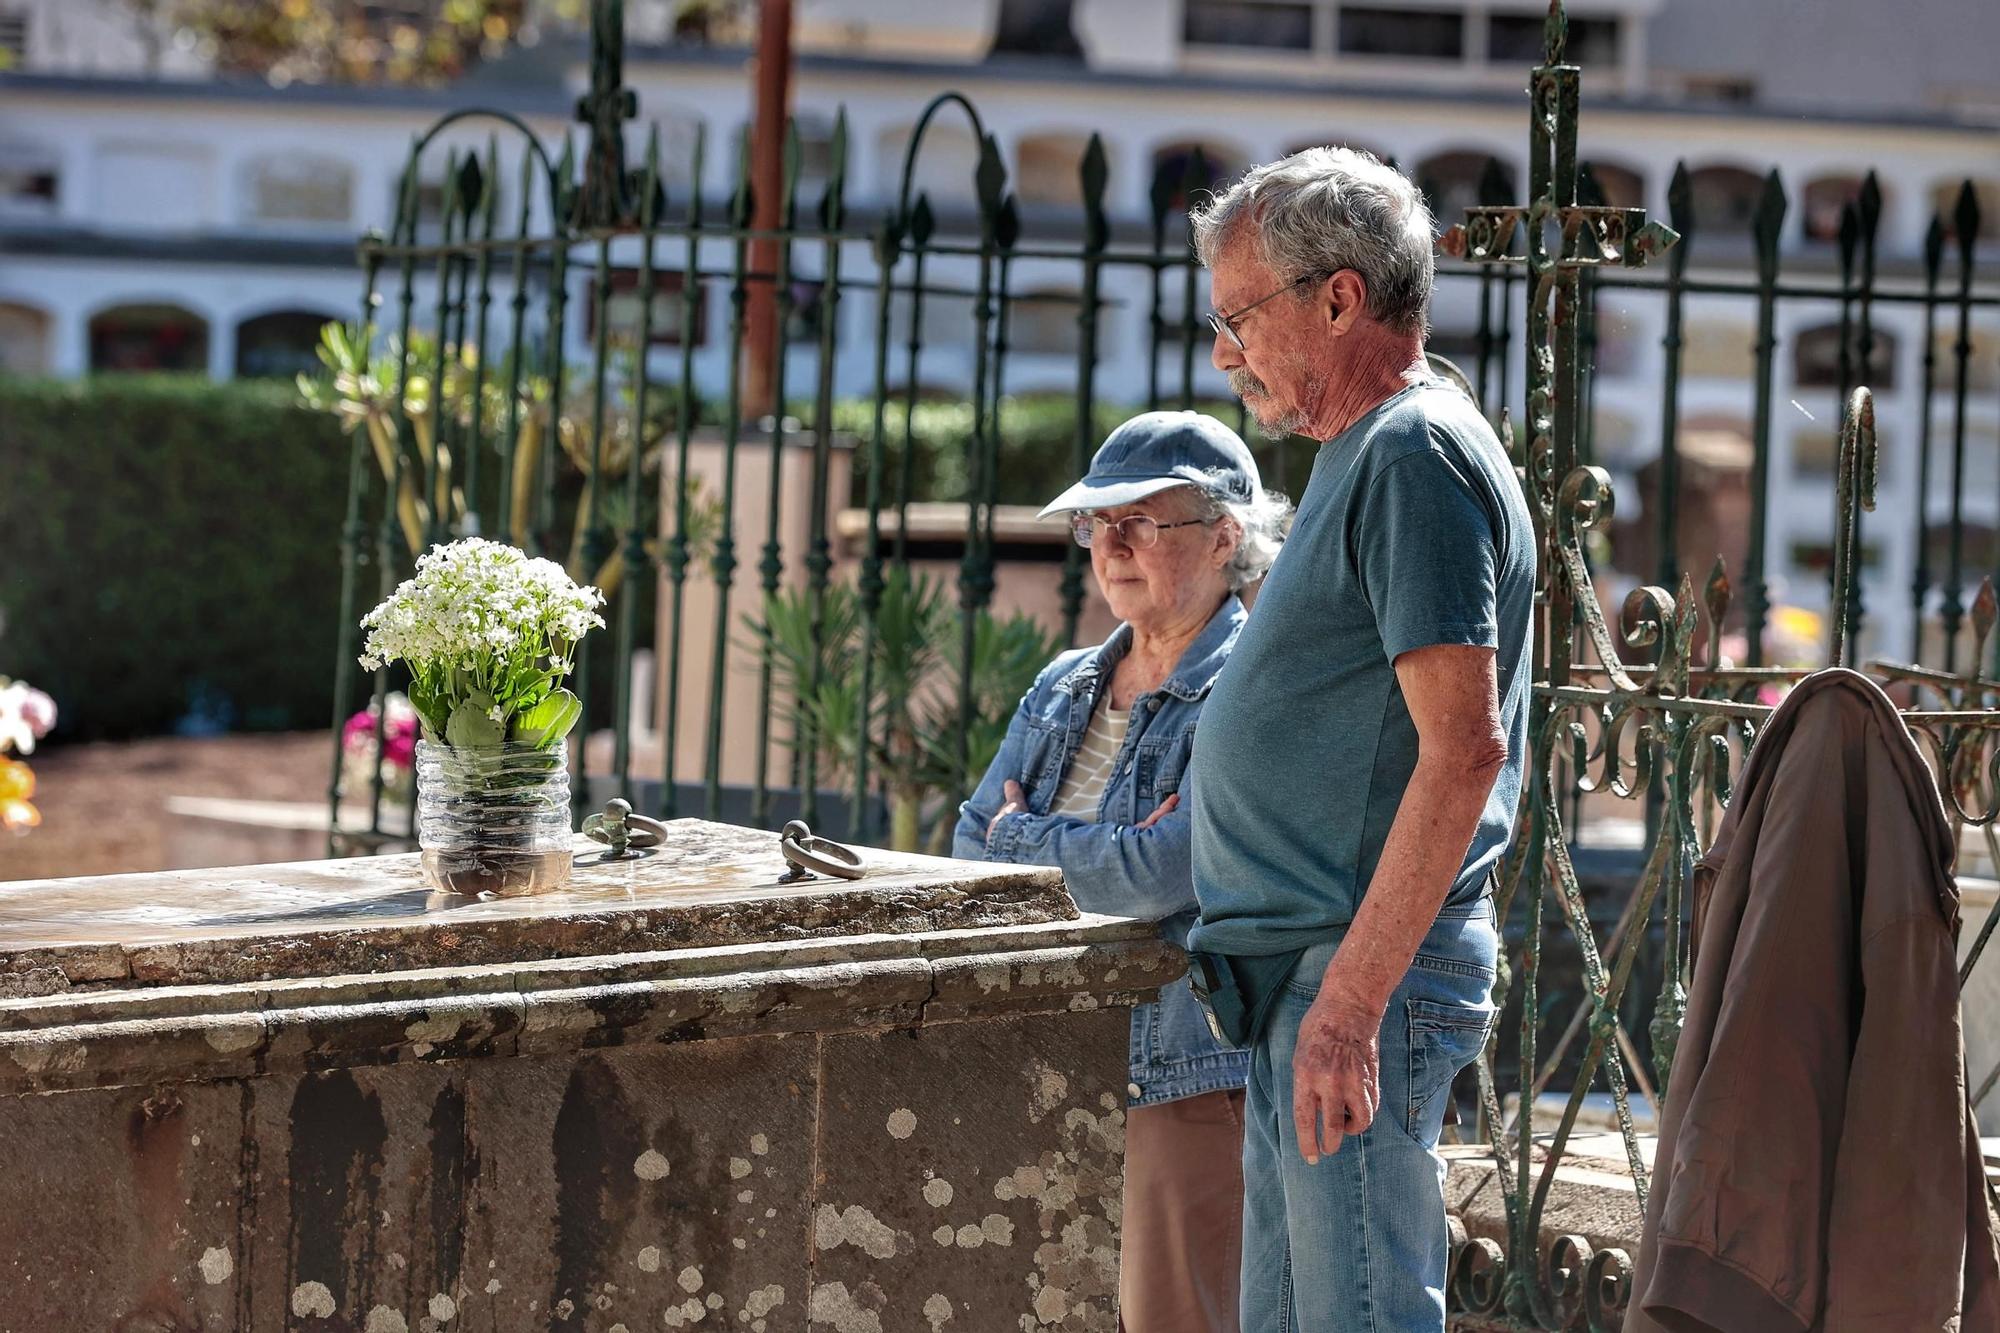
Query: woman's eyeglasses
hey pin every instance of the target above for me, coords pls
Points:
(1137, 531)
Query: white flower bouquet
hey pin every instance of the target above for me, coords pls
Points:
(488, 635)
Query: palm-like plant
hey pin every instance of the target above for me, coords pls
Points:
(910, 728)
(1006, 655)
(395, 401)
(378, 392)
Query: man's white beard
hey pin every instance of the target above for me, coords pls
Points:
(1246, 385)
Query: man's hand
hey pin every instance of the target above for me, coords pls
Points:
(1166, 808)
(1336, 1076)
(1016, 802)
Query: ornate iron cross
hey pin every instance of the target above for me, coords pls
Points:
(605, 199)
(1563, 238)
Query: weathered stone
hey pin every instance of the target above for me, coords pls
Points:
(1026, 1233)
(1027, 981)
(631, 1149)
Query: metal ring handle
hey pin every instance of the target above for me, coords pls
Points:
(621, 830)
(808, 854)
(645, 831)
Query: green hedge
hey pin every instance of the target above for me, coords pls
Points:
(169, 547)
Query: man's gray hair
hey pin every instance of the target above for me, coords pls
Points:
(1326, 209)
(1261, 522)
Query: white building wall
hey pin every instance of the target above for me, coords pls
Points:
(1131, 35)
(165, 168)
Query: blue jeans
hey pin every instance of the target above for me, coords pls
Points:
(1358, 1243)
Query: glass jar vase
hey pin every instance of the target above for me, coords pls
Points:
(493, 821)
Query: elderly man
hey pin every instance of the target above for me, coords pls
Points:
(1361, 757)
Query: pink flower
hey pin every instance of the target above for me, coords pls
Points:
(359, 731)
(26, 715)
(399, 733)
(399, 742)
(39, 710)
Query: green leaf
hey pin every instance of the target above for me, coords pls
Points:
(548, 721)
(472, 726)
(431, 706)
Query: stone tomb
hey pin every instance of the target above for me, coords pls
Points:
(676, 1095)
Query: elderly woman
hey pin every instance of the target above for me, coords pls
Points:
(1091, 778)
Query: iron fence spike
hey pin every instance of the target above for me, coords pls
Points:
(1680, 200)
(653, 191)
(788, 190)
(1007, 226)
(490, 200)
(742, 204)
(832, 205)
(1094, 172)
(1555, 34)
(1769, 222)
(1194, 176)
(697, 164)
(1985, 613)
(471, 184)
(1160, 199)
(990, 179)
(1095, 176)
(1718, 591)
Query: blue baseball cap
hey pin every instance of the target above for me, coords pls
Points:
(1157, 451)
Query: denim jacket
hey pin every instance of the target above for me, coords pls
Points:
(1110, 866)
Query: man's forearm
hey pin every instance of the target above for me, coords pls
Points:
(1425, 848)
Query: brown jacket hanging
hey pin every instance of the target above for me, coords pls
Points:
(1818, 1165)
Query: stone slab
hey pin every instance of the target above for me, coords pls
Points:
(709, 885)
(74, 1041)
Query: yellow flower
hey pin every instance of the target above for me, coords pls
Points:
(1798, 622)
(17, 780)
(17, 784)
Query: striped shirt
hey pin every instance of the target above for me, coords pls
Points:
(1083, 786)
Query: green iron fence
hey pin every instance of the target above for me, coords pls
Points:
(877, 695)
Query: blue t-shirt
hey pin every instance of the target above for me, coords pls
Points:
(1412, 532)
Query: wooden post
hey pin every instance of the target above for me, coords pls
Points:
(773, 74)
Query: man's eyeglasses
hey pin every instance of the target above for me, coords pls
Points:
(1226, 324)
(1137, 531)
